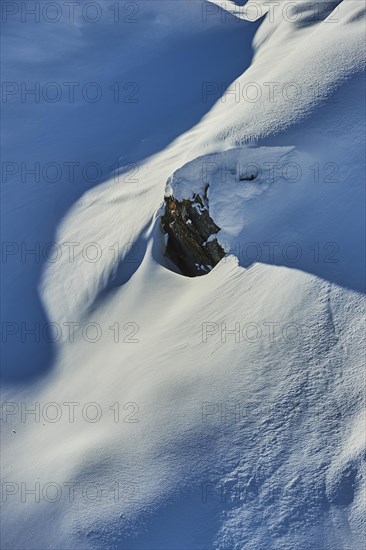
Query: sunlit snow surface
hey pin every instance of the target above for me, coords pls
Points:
(232, 412)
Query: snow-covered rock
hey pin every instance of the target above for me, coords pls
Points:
(191, 234)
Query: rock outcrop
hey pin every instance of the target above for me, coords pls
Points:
(191, 243)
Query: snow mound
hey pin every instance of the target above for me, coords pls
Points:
(240, 393)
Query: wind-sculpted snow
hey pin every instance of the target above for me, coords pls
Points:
(224, 411)
(295, 70)
(107, 95)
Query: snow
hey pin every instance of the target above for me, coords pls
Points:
(246, 383)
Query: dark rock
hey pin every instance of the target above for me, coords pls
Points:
(188, 226)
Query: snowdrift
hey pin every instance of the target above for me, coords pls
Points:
(223, 411)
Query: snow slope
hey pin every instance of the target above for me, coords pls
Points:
(241, 393)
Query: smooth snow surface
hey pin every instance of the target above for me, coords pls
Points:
(228, 409)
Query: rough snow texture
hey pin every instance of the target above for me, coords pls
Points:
(251, 439)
